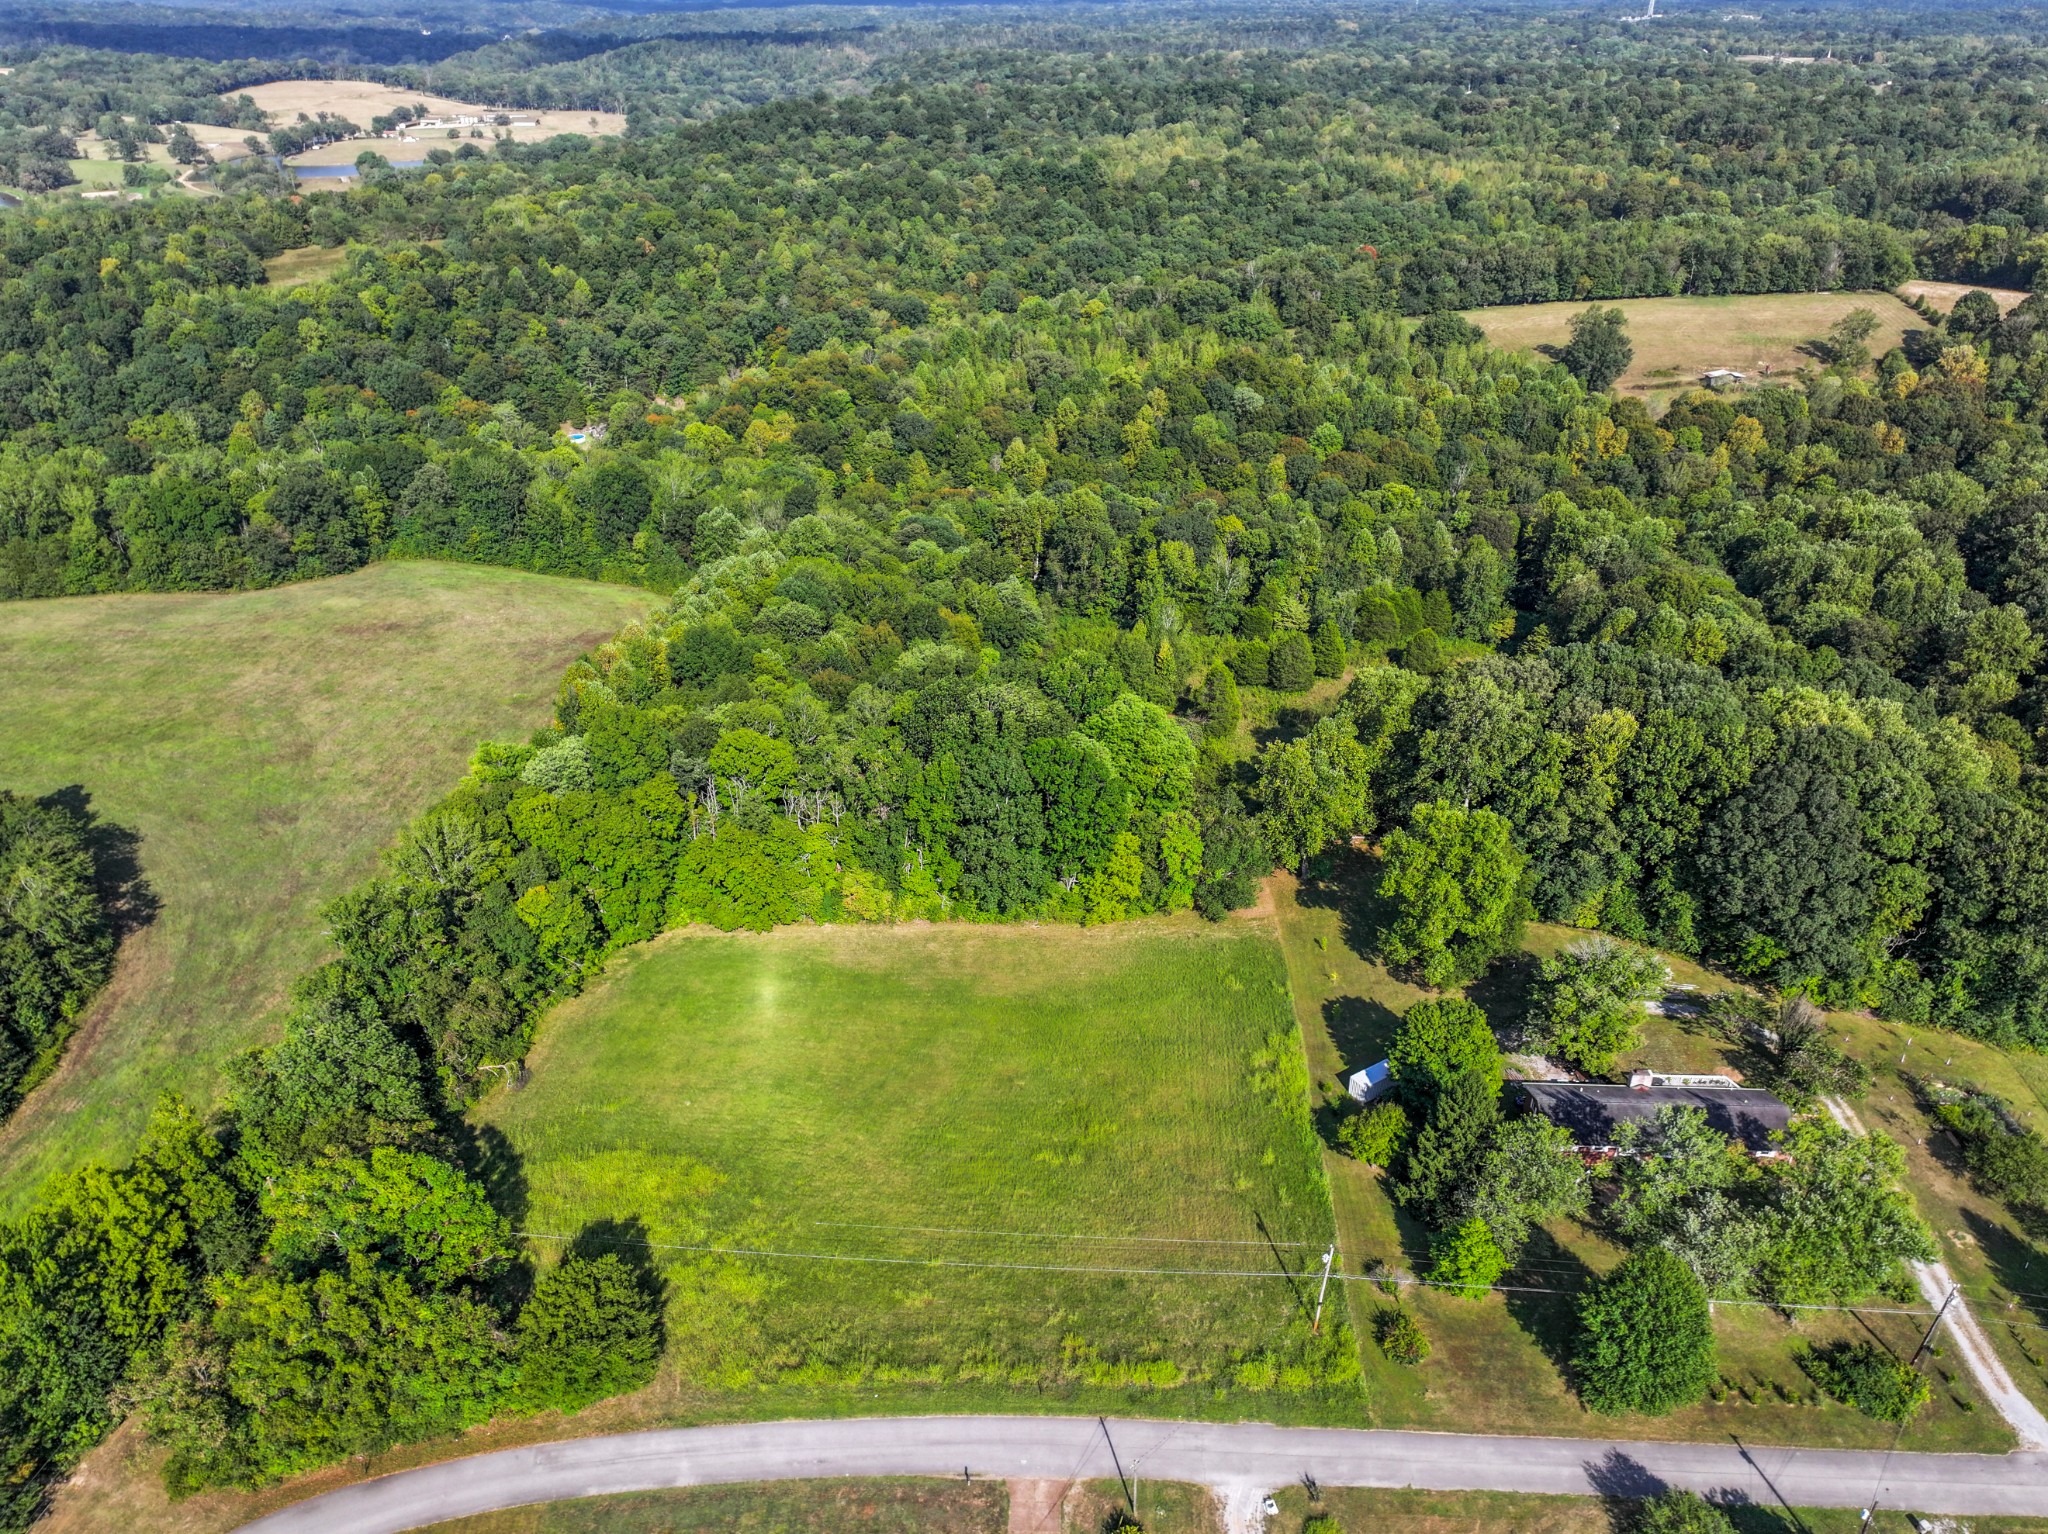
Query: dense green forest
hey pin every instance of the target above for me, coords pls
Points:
(1072, 495)
(57, 932)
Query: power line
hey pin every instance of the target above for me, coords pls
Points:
(974, 1265)
(1049, 1235)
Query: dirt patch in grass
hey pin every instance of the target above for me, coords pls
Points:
(1677, 339)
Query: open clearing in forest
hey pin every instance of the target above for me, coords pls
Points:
(1678, 339)
(1497, 1361)
(307, 263)
(265, 745)
(360, 100)
(1943, 295)
(1041, 1097)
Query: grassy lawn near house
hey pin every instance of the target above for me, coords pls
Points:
(1497, 1362)
(967, 1111)
(265, 746)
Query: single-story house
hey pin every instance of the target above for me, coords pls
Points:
(1371, 1083)
(1722, 378)
(1595, 1111)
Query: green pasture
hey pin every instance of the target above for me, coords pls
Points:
(264, 746)
(880, 1506)
(1497, 1364)
(932, 1127)
(307, 263)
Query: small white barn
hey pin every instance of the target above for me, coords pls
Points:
(1723, 378)
(1371, 1083)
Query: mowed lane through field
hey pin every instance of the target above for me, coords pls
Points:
(265, 746)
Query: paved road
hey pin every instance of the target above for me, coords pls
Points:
(1240, 1460)
(1936, 1285)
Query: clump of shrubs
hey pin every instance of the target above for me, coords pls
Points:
(1376, 1135)
(1681, 1512)
(1865, 1376)
(1400, 1335)
(2006, 1159)
(1466, 1260)
(1800, 1062)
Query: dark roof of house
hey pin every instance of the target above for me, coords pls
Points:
(1593, 1111)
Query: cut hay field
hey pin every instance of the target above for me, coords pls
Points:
(944, 1119)
(1497, 1362)
(1943, 295)
(361, 100)
(265, 746)
(1678, 339)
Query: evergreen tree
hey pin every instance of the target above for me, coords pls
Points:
(1292, 667)
(1329, 649)
(1449, 1144)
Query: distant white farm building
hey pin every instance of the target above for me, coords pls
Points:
(1723, 378)
(1371, 1083)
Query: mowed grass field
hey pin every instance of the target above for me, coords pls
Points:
(1498, 1362)
(879, 1506)
(265, 746)
(307, 263)
(937, 1125)
(1678, 339)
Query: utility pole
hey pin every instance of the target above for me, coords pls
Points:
(1329, 1257)
(1870, 1512)
(1926, 1341)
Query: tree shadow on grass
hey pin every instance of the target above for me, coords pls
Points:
(1361, 1028)
(2019, 1267)
(1502, 993)
(1624, 1484)
(1413, 1235)
(1543, 1295)
(116, 852)
(1346, 881)
(484, 1151)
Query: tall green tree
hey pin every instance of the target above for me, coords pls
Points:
(1599, 351)
(1587, 1002)
(1646, 1339)
(1453, 878)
